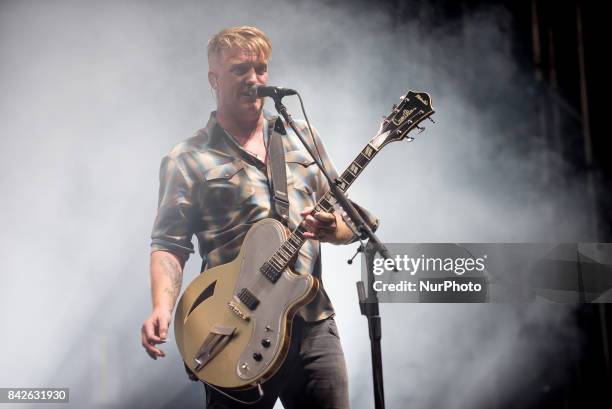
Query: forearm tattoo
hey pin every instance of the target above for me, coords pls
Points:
(173, 270)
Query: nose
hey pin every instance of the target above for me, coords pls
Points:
(251, 77)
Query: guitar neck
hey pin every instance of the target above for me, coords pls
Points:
(280, 260)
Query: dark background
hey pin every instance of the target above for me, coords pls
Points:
(568, 116)
(547, 43)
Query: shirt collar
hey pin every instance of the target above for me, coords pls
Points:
(221, 142)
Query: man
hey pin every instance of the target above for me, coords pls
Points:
(216, 185)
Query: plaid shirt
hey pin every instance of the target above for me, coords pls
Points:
(212, 187)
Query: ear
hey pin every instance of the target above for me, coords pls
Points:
(212, 79)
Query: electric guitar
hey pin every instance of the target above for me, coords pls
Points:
(233, 322)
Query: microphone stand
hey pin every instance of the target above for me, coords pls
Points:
(367, 304)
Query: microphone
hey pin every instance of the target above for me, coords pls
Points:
(261, 91)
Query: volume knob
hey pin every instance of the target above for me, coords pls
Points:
(265, 343)
(257, 356)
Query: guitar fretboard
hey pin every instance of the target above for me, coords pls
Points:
(276, 264)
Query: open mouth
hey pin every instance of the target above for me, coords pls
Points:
(248, 92)
(249, 99)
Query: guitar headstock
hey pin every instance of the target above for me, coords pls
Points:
(413, 108)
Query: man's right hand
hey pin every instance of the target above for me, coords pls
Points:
(155, 331)
(166, 279)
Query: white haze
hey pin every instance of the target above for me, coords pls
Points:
(95, 93)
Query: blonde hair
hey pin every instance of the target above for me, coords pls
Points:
(247, 38)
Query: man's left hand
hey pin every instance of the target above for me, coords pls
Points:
(325, 227)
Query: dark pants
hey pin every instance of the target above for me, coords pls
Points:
(312, 376)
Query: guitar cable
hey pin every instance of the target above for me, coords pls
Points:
(259, 391)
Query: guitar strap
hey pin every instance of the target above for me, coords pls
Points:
(278, 173)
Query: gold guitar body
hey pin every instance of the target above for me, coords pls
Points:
(223, 340)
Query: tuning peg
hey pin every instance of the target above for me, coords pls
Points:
(431, 119)
(420, 128)
(402, 97)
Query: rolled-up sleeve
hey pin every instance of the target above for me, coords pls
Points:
(174, 224)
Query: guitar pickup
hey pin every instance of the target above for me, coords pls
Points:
(248, 299)
(270, 272)
(215, 341)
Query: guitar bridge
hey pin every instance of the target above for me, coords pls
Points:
(236, 310)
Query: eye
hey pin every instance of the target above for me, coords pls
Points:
(240, 69)
(261, 69)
